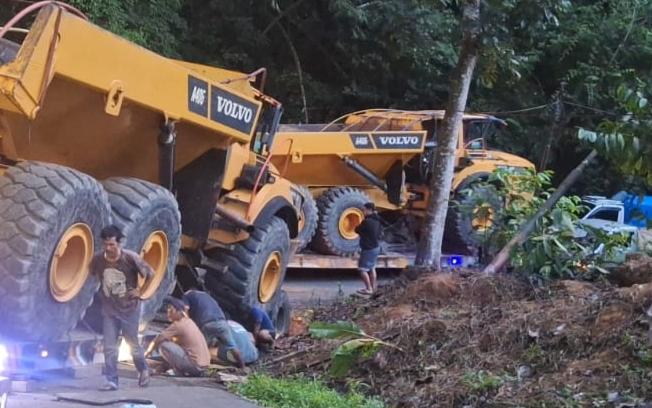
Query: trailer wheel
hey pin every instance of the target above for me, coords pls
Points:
(254, 269)
(308, 221)
(472, 219)
(148, 216)
(50, 218)
(340, 211)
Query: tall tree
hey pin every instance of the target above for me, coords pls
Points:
(442, 175)
(154, 24)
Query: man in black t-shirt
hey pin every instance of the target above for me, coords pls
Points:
(370, 231)
(117, 270)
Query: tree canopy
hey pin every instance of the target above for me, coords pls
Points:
(547, 66)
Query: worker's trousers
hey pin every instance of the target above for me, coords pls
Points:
(178, 360)
(127, 326)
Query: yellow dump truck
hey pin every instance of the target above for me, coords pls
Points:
(385, 156)
(96, 130)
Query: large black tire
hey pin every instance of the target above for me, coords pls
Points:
(462, 227)
(139, 209)
(38, 203)
(239, 285)
(310, 215)
(332, 204)
(281, 313)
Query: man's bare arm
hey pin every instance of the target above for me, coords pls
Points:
(145, 270)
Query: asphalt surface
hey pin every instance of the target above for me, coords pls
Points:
(310, 287)
(164, 392)
(306, 288)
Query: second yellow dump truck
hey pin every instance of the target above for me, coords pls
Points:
(97, 130)
(385, 156)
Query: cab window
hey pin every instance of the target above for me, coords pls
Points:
(607, 214)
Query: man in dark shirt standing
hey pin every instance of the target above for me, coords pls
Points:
(209, 317)
(369, 230)
(118, 270)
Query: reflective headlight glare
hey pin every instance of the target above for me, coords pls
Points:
(4, 358)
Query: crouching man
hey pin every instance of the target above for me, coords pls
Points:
(182, 344)
(208, 315)
(260, 325)
(245, 344)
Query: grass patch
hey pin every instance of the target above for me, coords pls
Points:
(482, 381)
(299, 393)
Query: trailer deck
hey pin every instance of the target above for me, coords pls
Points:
(389, 260)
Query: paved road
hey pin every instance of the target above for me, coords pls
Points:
(165, 392)
(311, 287)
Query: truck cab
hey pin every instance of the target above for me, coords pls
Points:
(605, 214)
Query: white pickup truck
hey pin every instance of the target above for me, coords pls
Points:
(605, 214)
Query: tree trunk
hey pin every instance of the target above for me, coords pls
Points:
(526, 229)
(432, 232)
(297, 62)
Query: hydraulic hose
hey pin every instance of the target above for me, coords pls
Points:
(24, 12)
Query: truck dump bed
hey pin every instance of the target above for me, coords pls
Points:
(97, 102)
(312, 155)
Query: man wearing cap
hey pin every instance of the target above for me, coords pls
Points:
(370, 231)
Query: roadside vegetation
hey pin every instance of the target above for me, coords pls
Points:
(298, 392)
(559, 247)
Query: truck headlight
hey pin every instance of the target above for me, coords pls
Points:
(4, 358)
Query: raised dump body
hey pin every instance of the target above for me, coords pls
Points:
(95, 102)
(96, 130)
(384, 156)
(317, 155)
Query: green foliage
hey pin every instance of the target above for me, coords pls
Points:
(359, 345)
(583, 63)
(554, 249)
(323, 330)
(350, 352)
(299, 393)
(534, 355)
(627, 140)
(483, 381)
(638, 348)
(154, 24)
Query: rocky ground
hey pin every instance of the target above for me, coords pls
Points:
(472, 340)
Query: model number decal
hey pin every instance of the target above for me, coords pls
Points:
(197, 96)
(361, 141)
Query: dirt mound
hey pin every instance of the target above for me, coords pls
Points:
(434, 287)
(637, 268)
(492, 341)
